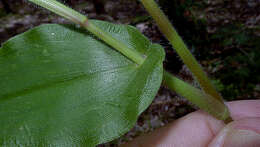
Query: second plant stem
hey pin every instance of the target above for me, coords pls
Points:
(204, 101)
(171, 34)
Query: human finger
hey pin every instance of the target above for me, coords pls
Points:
(195, 129)
(241, 133)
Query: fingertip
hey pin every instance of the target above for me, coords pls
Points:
(241, 133)
(244, 109)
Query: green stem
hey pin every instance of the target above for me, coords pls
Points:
(219, 110)
(131, 54)
(171, 34)
(204, 101)
(61, 10)
(78, 18)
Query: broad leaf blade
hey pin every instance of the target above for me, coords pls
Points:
(60, 86)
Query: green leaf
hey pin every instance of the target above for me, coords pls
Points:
(60, 86)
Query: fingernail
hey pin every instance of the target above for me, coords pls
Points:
(242, 138)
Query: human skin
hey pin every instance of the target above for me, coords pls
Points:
(199, 129)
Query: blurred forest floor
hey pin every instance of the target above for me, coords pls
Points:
(224, 35)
